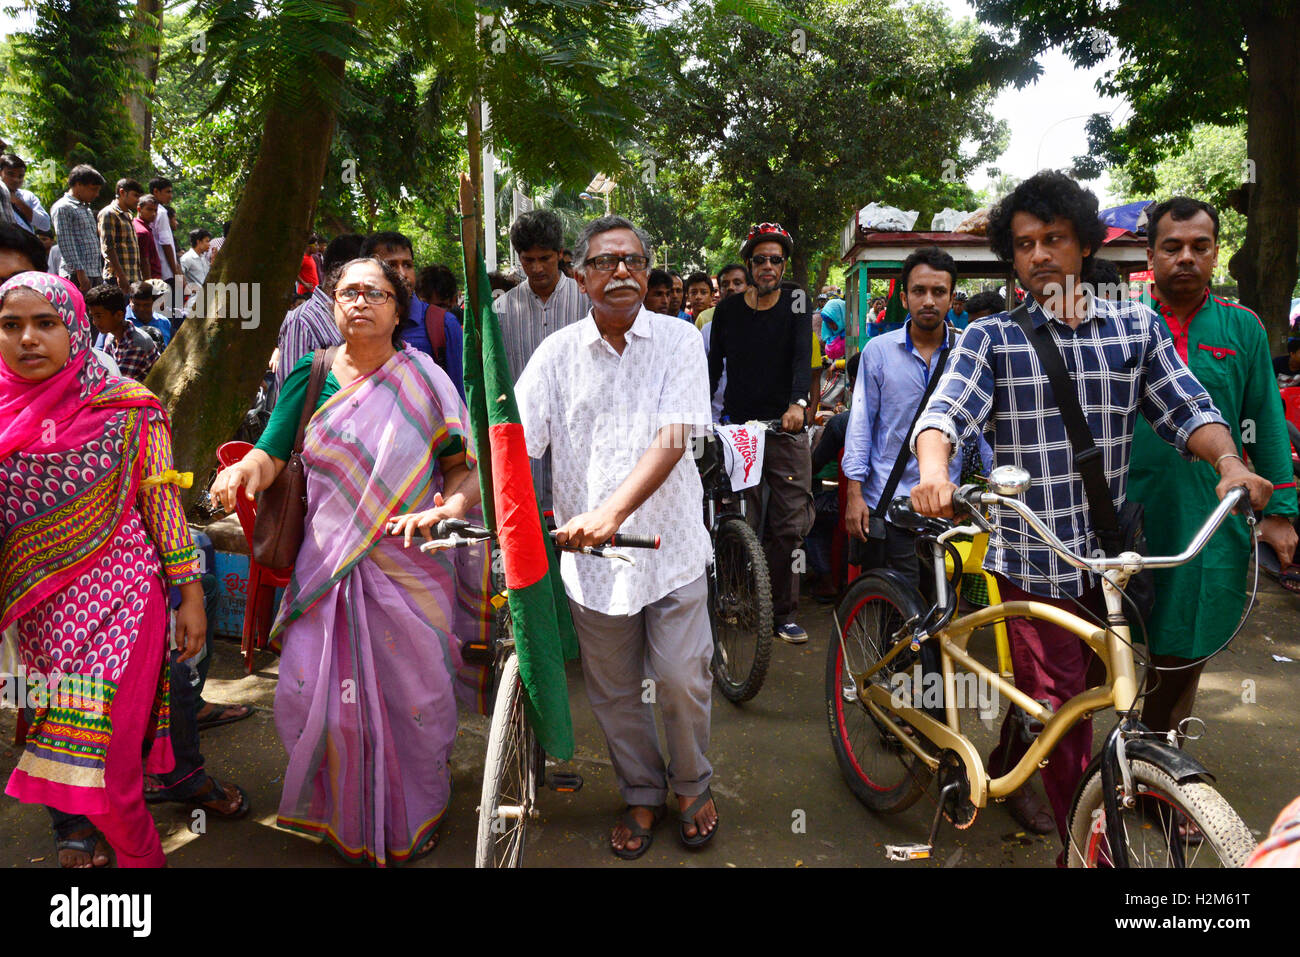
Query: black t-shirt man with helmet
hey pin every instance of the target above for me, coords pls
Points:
(764, 339)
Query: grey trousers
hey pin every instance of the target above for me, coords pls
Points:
(632, 662)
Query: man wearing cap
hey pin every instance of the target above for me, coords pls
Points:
(763, 337)
(957, 315)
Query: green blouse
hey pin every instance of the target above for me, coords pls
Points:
(277, 438)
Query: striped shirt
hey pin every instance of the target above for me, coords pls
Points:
(1122, 362)
(525, 321)
(307, 327)
(74, 225)
(117, 232)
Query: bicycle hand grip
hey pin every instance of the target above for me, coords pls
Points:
(1246, 507)
(634, 541)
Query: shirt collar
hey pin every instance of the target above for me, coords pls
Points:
(1039, 314)
(559, 285)
(640, 327)
(948, 330)
(1164, 310)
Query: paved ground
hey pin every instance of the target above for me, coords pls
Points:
(773, 759)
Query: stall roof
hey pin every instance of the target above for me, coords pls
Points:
(971, 253)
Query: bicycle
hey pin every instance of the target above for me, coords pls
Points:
(515, 760)
(1141, 801)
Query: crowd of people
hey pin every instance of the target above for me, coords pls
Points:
(616, 365)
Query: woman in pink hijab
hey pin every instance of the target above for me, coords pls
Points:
(91, 534)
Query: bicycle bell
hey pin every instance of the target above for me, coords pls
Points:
(1009, 480)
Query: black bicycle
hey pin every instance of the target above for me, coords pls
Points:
(740, 590)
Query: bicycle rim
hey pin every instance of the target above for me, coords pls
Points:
(1161, 829)
(509, 793)
(740, 610)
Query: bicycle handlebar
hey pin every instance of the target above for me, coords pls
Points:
(971, 497)
(458, 528)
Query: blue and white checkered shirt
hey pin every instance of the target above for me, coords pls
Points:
(1122, 361)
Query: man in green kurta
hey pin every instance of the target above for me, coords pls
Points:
(1199, 604)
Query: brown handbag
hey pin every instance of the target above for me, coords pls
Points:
(281, 518)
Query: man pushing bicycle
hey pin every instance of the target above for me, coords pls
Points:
(1117, 360)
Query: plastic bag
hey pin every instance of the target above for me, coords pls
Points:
(887, 218)
(948, 220)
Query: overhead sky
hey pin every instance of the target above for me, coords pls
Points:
(1047, 118)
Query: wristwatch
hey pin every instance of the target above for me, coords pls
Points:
(802, 403)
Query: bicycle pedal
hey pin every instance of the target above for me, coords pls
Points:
(565, 782)
(908, 852)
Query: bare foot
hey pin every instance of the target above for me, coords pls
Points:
(706, 818)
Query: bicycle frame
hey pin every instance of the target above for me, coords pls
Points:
(1111, 644)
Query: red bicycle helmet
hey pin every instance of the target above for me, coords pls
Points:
(766, 233)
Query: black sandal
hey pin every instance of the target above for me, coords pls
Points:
(215, 794)
(687, 817)
(644, 834)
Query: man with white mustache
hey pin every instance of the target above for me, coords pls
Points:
(615, 397)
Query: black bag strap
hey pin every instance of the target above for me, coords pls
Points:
(1087, 457)
(905, 453)
(321, 362)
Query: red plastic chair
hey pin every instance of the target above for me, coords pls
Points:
(262, 581)
(1291, 404)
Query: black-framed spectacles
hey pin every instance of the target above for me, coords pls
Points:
(375, 297)
(604, 264)
(764, 260)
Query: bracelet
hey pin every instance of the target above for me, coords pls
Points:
(1226, 455)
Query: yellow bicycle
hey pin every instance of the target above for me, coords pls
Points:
(1142, 801)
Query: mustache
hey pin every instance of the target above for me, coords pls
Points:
(616, 284)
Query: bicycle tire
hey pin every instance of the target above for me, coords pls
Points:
(509, 776)
(1163, 803)
(880, 771)
(740, 603)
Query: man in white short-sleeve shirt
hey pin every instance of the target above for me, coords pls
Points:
(616, 397)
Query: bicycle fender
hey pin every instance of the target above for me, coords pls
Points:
(1180, 765)
(895, 577)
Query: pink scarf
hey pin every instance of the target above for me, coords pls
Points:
(33, 412)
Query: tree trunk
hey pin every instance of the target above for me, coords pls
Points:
(209, 375)
(1266, 265)
(146, 45)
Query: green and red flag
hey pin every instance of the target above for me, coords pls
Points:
(539, 610)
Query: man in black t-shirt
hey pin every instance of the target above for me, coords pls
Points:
(763, 338)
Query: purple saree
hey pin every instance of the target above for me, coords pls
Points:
(371, 632)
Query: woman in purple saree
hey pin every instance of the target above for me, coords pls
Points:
(371, 628)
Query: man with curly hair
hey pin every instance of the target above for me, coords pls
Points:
(1121, 360)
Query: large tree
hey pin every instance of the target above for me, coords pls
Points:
(542, 68)
(72, 80)
(1180, 65)
(851, 101)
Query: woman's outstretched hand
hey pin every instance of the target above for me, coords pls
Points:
(423, 522)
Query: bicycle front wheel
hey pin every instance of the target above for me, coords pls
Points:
(509, 796)
(1172, 824)
(880, 770)
(740, 611)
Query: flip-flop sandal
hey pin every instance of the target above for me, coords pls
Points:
(220, 709)
(430, 845)
(644, 834)
(83, 845)
(687, 817)
(215, 793)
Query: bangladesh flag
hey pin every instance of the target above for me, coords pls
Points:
(539, 610)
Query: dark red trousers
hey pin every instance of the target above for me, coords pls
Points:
(1051, 665)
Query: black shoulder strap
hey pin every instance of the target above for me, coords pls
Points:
(1087, 457)
(905, 453)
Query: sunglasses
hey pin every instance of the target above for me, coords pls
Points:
(764, 260)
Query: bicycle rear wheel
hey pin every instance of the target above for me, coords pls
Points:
(509, 797)
(740, 611)
(1160, 830)
(879, 769)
